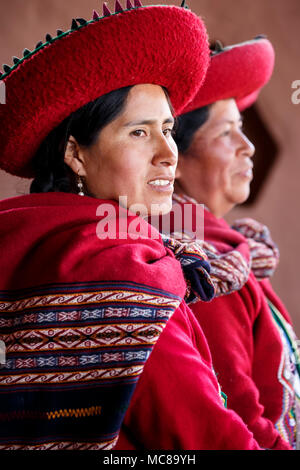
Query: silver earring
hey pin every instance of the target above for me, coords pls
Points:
(80, 185)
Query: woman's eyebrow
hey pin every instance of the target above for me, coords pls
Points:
(230, 121)
(169, 120)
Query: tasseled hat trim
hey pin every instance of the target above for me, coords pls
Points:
(77, 23)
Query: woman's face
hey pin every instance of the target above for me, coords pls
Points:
(217, 168)
(135, 155)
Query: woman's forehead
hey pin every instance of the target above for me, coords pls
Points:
(223, 111)
(146, 103)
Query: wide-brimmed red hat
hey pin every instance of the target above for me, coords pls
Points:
(163, 45)
(238, 71)
(247, 101)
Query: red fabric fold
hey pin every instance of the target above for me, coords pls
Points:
(246, 347)
(79, 316)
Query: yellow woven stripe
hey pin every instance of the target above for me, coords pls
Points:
(75, 412)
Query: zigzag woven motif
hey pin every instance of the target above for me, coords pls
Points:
(63, 445)
(74, 352)
(81, 338)
(66, 413)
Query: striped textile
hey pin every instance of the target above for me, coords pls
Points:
(74, 353)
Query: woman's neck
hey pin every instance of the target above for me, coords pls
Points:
(213, 206)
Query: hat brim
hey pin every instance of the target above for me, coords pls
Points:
(163, 45)
(247, 101)
(238, 72)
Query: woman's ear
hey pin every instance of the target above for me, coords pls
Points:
(74, 157)
(178, 172)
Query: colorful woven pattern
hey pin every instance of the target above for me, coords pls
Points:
(289, 376)
(264, 251)
(195, 266)
(229, 271)
(65, 346)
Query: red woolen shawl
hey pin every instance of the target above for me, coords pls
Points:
(79, 317)
(245, 345)
(176, 404)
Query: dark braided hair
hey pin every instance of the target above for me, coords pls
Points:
(51, 172)
(186, 126)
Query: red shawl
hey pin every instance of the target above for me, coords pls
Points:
(79, 317)
(248, 350)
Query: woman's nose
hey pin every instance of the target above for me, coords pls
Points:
(247, 147)
(165, 152)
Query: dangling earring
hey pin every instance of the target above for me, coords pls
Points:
(80, 185)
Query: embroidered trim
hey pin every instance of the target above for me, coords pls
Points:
(55, 339)
(77, 24)
(64, 445)
(89, 298)
(288, 333)
(79, 360)
(224, 399)
(75, 412)
(288, 373)
(74, 340)
(65, 413)
(78, 376)
(195, 267)
(91, 315)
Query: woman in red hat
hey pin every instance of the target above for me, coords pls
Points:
(86, 285)
(249, 331)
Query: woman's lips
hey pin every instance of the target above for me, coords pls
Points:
(162, 184)
(247, 173)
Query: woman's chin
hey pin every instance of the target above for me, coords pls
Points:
(161, 208)
(242, 196)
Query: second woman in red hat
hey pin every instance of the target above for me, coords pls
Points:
(249, 330)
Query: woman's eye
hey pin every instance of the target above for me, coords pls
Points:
(225, 133)
(138, 132)
(168, 132)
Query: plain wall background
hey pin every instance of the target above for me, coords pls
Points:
(24, 23)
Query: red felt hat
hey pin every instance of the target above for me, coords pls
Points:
(238, 71)
(163, 45)
(247, 101)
